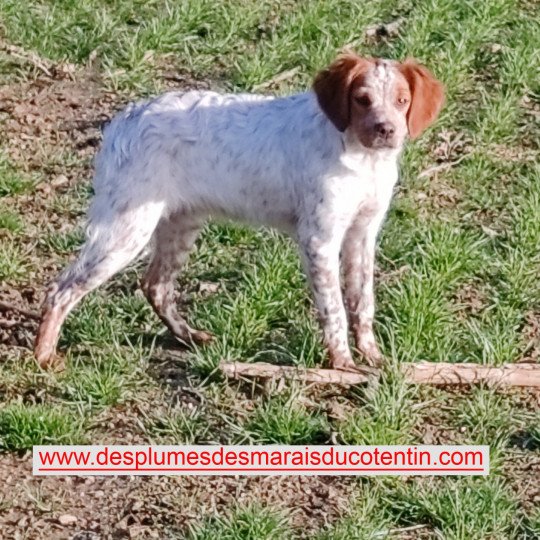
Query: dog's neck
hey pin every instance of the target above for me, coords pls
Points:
(355, 151)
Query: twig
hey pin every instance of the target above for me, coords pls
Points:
(443, 166)
(280, 77)
(446, 373)
(400, 530)
(415, 373)
(263, 370)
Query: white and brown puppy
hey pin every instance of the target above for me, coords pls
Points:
(320, 165)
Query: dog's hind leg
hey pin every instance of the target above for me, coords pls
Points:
(173, 240)
(114, 239)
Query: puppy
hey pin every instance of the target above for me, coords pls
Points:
(320, 165)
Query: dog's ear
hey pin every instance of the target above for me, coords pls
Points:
(333, 85)
(427, 96)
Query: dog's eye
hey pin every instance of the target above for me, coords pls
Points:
(364, 101)
(402, 101)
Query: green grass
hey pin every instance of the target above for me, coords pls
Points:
(98, 320)
(13, 181)
(22, 426)
(102, 381)
(64, 243)
(467, 508)
(263, 310)
(10, 221)
(13, 262)
(286, 420)
(368, 516)
(457, 280)
(178, 426)
(387, 417)
(244, 523)
(532, 524)
(456, 509)
(489, 418)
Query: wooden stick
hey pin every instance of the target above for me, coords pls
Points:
(418, 373)
(445, 373)
(280, 77)
(448, 165)
(410, 528)
(236, 370)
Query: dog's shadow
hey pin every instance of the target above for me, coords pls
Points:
(169, 366)
(525, 440)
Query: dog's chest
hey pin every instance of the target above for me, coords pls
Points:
(365, 186)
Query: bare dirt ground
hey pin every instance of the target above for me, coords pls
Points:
(92, 508)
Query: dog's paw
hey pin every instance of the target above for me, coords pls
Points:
(374, 358)
(369, 351)
(200, 337)
(372, 375)
(341, 362)
(50, 362)
(350, 367)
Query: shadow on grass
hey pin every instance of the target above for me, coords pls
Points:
(525, 440)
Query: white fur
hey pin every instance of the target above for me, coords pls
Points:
(246, 157)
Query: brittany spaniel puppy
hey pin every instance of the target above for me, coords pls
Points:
(320, 165)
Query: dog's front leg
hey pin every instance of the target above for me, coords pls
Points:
(358, 259)
(321, 259)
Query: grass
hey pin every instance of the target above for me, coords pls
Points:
(443, 508)
(64, 243)
(12, 181)
(368, 517)
(245, 523)
(102, 381)
(178, 426)
(23, 426)
(387, 417)
(99, 321)
(480, 505)
(13, 261)
(457, 279)
(286, 420)
(10, 221)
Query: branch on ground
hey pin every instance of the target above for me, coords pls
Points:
(418, 373)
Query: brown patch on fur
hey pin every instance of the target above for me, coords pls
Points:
(333, 87)
(427, 96)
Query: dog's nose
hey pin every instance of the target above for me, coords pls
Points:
(385, 129)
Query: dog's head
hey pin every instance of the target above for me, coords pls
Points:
(380, 101)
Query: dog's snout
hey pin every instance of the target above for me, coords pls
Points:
(385, 129)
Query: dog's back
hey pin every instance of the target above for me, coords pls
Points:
(237, 156)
